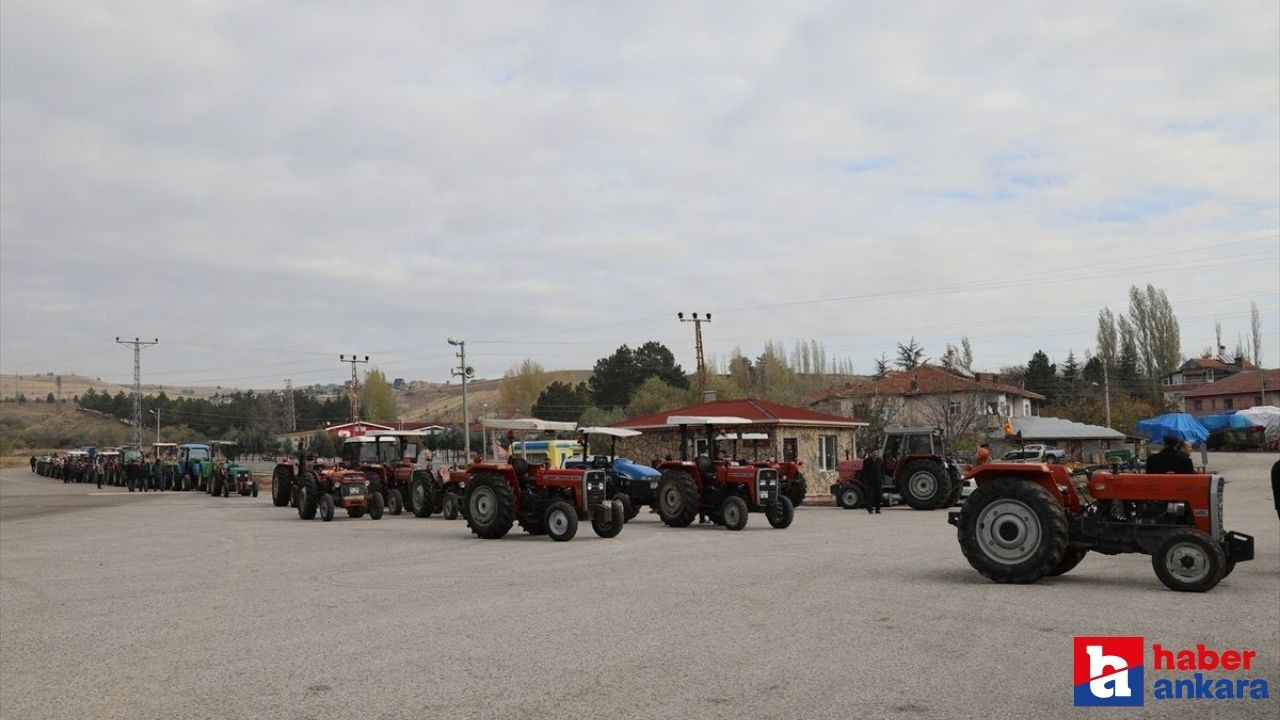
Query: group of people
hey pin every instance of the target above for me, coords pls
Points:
(1174, 458)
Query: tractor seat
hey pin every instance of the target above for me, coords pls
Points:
(520, 466)
(706, 468)
(599, 462)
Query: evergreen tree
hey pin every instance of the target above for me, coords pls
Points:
(1042, 376)
(909, 355)
(562, 402)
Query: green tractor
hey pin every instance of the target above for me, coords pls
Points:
(227, 475)
(167, 454)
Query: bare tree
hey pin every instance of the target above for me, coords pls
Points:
(1255, 333)
(958, 414)
(966, 353)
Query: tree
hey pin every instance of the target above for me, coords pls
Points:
(1092, 373)
(655, 395)
(882, 367)
(1155, 331)
(50, 398)
(909, 355)
(1107, 337)
(1042, 376)
(521, 384)
(615, 378)
(1070, 371)
(562, 402)
(966, 353)
(377, 402)
(1128, 370)
(1255, 333)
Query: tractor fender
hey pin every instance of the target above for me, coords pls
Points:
(1038, 473)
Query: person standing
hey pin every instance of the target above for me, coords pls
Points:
(873, 481)
(1185, 465)
(984, 454)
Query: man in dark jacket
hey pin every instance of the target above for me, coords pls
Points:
(873, 480)
(1171, 459)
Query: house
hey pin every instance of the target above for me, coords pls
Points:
(1200, 371)
(1239, 391)
(816, 439)
(957, 401)
(1084, 443)
(354, 429)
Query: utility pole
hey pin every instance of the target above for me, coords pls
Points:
(466, 372)
(137, 383)
(288, 405)
(697, 334)
(355, 384)
(59, 383)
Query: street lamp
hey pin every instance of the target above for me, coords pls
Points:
(466, 372)
(157, 414)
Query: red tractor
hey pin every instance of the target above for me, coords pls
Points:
(541, 499)
(390, 458)
(723, 490)
(789, 471)
(1026, 521)
(917, 467)
(314, 487)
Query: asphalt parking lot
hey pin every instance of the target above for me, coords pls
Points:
(184, 606)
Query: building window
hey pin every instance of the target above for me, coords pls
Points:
(953, 408)
(1199, 404)
(1228, 403)
(826, 452)
(790, 453)
(699, 446)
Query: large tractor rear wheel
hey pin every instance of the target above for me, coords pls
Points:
(1189, 561)
(561, 521)
(629, 510)
(677, 500)
(781, 513)
(1070, 559)
(422, 495)
(1013, 531)
(490, 504)
(308, 496)
(795, 489)
(925, 485)
(532, 524)
(281, 486)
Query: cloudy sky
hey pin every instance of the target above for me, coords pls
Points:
(264, 185)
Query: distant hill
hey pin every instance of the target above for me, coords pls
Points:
(442, 402)
(38, 387)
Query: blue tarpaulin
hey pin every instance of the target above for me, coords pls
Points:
(1179, 425)
(1223, 421)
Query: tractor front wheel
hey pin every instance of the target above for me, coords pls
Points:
(1013, 531)
(733, 513)
(326, 507)
(677, 500)
(629, 510)
(450, 506)
(781, 513)
(617, 518)
(422, 496)
(490, 504)
(850, 496)
(376, 505)
(1189, 561)
(308, 496)
(281, 486)
(561, 521)
(925, 485)
(395, 502)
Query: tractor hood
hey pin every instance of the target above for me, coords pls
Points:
(633, 470)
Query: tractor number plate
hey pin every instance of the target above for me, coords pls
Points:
(353, 490)
(764, 494)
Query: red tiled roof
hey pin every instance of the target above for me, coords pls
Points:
(1238, 384)
(760, 412)
(1216, 364)
(929, 380)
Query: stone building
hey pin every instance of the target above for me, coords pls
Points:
(815, 438)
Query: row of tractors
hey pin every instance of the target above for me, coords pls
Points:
(208, 467)
(380, 473)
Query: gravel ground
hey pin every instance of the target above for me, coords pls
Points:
(183, 606)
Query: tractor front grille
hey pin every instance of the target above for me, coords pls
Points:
(766, 484)
(1217, 492)
(593, 487)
